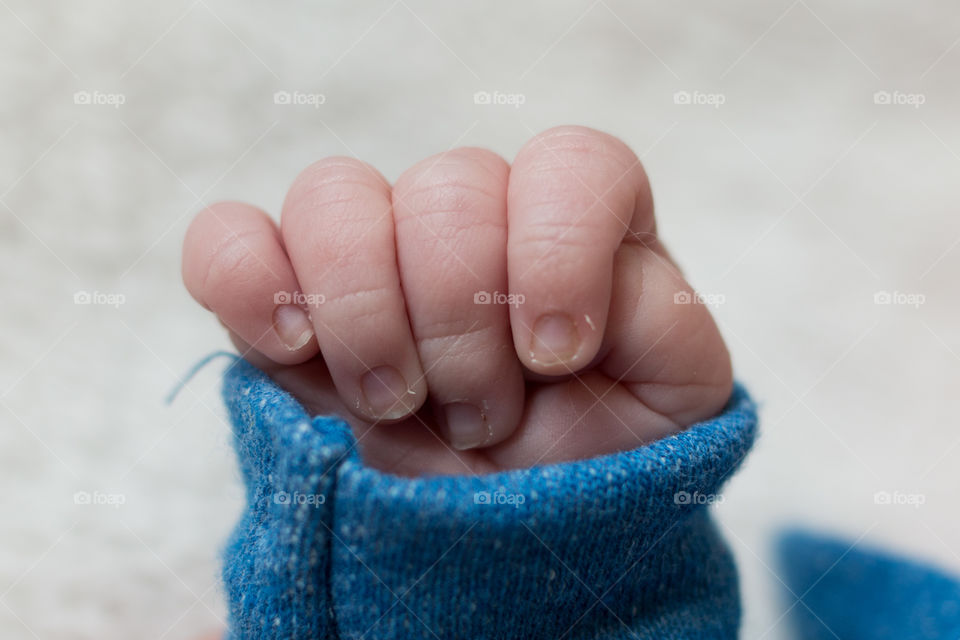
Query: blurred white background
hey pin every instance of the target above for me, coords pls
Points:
(786, 186)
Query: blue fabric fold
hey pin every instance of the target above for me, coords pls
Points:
(619, 546)
(839, 590)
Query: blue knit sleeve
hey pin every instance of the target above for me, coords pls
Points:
(835, 588)
(620, 546)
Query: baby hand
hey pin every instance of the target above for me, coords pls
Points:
(475, 316)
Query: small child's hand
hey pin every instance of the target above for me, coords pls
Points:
(474, 317)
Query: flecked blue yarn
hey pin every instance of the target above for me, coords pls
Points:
(852, 593)
(620, 546)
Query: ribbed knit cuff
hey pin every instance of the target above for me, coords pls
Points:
(619, 546)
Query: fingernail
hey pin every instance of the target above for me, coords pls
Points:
(467, 426)
(292, 325)
(555, 339)
(387, 393)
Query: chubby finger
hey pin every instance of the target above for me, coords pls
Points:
(337, 225)
(665, 367)
(451, 220)
(234, 265)
(575, 195)
(662, 342)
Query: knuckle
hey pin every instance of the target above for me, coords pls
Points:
(551, 260)
(229, 211)
(548, 234)
(569, 148)
(335, 168)
(457, 337)
(223, 218)
(451, 182)
(333, 184)
(363, 301)
(447, 205)
(552, 235)
(216, 246)
(231, 264)
(453, 193)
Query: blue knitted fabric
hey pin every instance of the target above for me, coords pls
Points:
(620, 546)
(849, 593)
